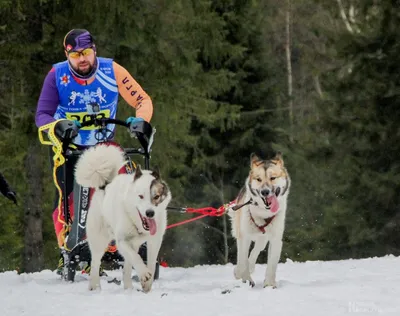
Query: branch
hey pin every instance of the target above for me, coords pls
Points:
(318, 87)
(344, 17)
(260, 111)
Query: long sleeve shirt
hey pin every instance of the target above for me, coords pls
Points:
(49, 98)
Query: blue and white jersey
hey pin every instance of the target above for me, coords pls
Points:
(78, 101)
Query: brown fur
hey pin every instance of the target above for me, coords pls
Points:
(159, 191)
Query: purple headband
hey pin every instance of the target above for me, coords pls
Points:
(78, 39)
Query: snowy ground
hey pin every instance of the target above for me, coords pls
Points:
(362, 287)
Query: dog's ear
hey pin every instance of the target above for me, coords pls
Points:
(254, 159)
(278, 159)
(156, 172)
(138, 173)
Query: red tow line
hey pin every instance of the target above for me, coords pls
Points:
(204, 211)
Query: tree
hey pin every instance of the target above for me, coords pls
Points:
(362, 123)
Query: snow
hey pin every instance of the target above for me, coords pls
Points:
(313, 288)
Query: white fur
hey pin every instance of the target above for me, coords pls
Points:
(245, 231)
(113, 214)
(100, 165)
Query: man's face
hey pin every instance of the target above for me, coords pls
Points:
(82, 61)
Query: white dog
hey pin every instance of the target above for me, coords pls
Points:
(129, 208)
(261, 218)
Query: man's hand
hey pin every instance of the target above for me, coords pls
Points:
(11, 195)
(67, 129)
(133, 120)
(77, 123)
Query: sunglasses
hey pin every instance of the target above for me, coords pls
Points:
(84, 53)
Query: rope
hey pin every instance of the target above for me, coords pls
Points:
(186, 221)
(205, 211)
(58, 159)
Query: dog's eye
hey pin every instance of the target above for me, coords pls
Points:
(141, 197)
(156, 197)
(258, 179)
(273, 178)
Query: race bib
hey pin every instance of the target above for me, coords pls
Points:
(84, 117)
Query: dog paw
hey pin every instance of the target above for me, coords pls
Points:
(270, 283)
(146, 281)
(244, 275)
(94, 287)
(251, 283)
(248, 279)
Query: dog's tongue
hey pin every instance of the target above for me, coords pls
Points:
(273, 202)
(152, 225)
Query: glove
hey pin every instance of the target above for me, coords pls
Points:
(12, 196)
(133, 120)
(67, 129)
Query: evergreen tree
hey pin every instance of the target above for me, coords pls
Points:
(364, 139)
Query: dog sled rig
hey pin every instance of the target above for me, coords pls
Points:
(60, 135)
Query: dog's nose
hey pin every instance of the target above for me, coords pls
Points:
(265, 192)
(150, 213)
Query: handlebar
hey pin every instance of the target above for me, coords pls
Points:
(141, 130)
(103, 122)
(128, 151)
(61, 133)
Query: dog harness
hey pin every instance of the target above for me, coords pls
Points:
(268, 220)
(262, 227)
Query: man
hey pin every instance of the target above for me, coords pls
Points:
(82, 85)
(6, 190)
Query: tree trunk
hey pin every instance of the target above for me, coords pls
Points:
(33, 256)
(224, 224)
(226, 246)
(289, 67)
